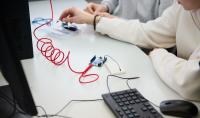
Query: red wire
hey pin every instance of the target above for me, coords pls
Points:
(56, 56)
(83, 75)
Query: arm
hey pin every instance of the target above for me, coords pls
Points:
(157, 33)
(164, 4)
(181, 75)
(111, 4)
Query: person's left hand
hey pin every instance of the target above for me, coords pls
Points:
(75, 15)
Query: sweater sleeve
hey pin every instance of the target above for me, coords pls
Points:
(111, 4)
(181, 75)
(164, 4)
(157, 33)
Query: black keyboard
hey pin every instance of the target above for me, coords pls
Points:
(130, 104)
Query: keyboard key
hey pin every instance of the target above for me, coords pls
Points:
(121, 96)
(126, 95)
(121, 113)
(144, 109)
(126, 103)
(113, 94)
(137, 101)
(150, 107)
(130, 116)
(131, 94)
(124, 99)
(132, 102)
(127, 112)
(136, 115)
(116, 97)
(133, 111)
(134, 97)
(129, 98)
(143, 100)
(118, 100)
(146, 104)
(124, 108)
(130, 107)
(121, 104)
(153, 111)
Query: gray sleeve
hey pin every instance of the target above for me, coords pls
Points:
(111, 4)
(163, 4)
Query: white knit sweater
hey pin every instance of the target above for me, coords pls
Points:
(175, 27)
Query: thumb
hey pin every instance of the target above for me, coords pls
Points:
(68, 19)
(91, 10)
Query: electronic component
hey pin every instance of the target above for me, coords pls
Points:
(69, 26)
(98, 61)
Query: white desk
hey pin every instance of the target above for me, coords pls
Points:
(53, 86)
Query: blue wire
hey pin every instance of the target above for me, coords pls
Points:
(40, 20)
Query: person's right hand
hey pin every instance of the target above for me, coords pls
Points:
(75, 15)
(94, 8)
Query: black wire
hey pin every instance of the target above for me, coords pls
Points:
(62, 116)
(93, 100)
(14, 104)
(49, 115)
(43, 111)
(57, 114)
(128, 84)
(114, 61)
(107, 82)
(16, 109)
(5, 98)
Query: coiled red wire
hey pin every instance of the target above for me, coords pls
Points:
(58, 57)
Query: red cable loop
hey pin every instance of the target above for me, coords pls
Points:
(56, 56)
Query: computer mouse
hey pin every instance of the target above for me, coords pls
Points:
(179, 108)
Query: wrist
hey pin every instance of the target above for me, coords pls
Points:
(96, 20)
(90, 19)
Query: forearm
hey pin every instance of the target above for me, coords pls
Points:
(153, 34)
(181, 75)
(132, 31)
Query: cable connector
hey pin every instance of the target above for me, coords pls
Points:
(98, 61)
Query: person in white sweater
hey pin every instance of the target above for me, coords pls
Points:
(144, 10)
(179, 25)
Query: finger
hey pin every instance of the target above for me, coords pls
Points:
(90, 9)
(71, 20)
(64, 14)
(98, 11)
(65, 20)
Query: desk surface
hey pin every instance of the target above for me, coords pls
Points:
(54, 86)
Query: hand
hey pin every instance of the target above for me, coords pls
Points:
(75, 15)
(94, 8)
